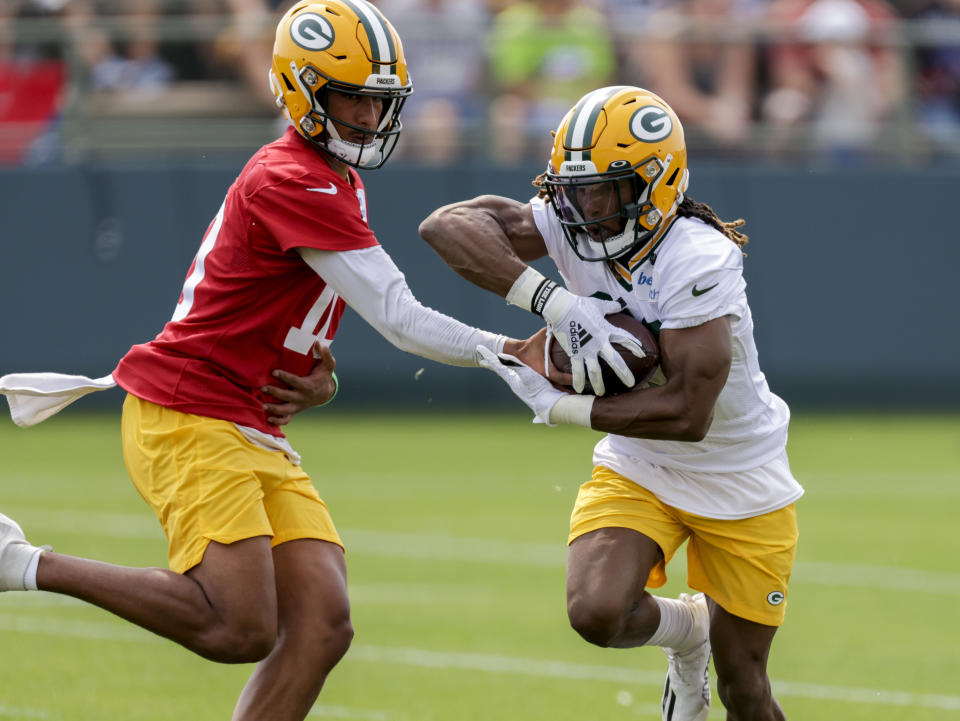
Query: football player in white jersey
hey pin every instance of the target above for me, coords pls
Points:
(697, 455)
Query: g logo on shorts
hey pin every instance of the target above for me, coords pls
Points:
(775, 598)
(650, 124)
(312, 32)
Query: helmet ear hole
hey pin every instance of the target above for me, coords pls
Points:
(639, 185)
(349, 47)
(622, 131)
(322, 96)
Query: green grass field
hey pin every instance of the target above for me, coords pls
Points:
(455, 527)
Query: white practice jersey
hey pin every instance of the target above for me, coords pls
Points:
(694, 275)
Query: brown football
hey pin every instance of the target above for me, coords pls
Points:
(642, 368)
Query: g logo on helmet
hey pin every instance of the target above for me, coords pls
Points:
(775, 598)
(650, 124)
(311, 31)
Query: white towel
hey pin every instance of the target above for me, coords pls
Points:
(34, 397)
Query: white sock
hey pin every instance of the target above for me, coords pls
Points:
(676, 625)
(30, 575)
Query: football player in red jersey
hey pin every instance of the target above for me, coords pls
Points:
(257, 568)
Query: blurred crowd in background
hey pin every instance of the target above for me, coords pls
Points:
(830, 82)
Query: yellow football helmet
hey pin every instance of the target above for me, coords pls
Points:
(350, 47)
(618, 172)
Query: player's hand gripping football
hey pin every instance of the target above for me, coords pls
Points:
(580, 326)
(302, 392)
(529, 386)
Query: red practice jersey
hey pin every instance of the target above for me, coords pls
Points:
(250, 304)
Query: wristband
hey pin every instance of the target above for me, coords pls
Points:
(531, 290)
(572, 410)
(540, 298)
(336, 388)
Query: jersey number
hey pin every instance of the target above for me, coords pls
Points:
(193, 280)
(299, 339)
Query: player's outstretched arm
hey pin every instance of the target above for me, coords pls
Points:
(487, 241)
(370, 283)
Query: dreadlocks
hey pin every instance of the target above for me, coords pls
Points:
(540, 182)
(690, 208)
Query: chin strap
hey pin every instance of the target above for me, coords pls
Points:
(354, 153)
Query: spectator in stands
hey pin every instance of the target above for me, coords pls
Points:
(444, 43)
(33, 81)
(141, 58)
(937, 78)
(211, 65)
(243, 49)
(132, 61)
(626, 13)
(544, 55)
(836, 79)
(699, 54)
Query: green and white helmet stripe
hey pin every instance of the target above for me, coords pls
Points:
(579, 136)
(378, 32)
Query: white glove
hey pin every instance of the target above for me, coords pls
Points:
(528, 385)
(579, 324)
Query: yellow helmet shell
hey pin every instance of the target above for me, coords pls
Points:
(347, 45)
(613, 129)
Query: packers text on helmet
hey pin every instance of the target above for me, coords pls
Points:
(618, 172)
(346, 46)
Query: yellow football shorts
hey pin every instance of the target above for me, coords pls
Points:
(744, 564)
(206, 482)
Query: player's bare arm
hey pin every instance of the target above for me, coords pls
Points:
(695, 362)
(486, 240)
(299, 393)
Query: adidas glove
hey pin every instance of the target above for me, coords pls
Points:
(528, 385)
(580, 326)
(548, 404)
(583, 331)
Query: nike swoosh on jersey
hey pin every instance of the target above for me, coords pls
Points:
(696, 291)
(332, 190)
